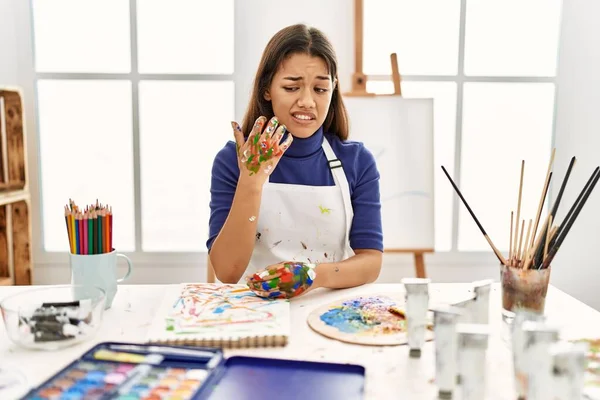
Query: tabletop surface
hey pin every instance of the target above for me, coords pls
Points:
(390, 372)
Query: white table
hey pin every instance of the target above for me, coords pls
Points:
(390, 373)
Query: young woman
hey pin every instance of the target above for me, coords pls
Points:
(294, 204)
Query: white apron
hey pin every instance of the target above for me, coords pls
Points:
(304, 223)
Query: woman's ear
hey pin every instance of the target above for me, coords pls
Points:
(267, 95)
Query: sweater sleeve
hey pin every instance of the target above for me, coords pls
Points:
(224, 178)
(366, 231)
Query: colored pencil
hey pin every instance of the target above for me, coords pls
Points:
(85, 234)
(106, 217)
(110, 230)
(91, 233)
(73, 241)
(76, 223)
(81, 234)
(99, 239)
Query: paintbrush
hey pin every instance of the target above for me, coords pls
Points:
(543, 197)
(538, 254)
(569, 214)
(571, 217)
(516, 239)
(496, 251)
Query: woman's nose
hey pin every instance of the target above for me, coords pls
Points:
(306, 99)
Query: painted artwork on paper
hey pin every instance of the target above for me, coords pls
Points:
(370, 320)
(226, 309)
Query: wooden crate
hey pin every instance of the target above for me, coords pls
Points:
(5, 262)
(15, 240)
(13, 157)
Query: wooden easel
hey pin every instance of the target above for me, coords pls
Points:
(359, 88)
(359, 79)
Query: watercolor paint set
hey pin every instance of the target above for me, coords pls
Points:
(131, 371)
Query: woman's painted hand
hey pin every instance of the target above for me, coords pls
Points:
(282, 281)
(259, 154)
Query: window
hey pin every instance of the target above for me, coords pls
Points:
(130, 98)
(493, 91)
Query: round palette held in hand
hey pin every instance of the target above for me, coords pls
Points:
(368, 320)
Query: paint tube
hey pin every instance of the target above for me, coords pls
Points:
(476, 307)
(446, 343)
(539, 337)
(568, 369)
(518, 347)
(472, 348)
(417, 302)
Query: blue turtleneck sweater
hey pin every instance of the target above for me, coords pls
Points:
(305, 163)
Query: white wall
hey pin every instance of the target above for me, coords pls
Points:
(8, 44)
(576, 269)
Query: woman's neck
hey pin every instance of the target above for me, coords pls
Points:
(303, 147)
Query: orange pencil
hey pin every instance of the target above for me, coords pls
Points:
(73, 240)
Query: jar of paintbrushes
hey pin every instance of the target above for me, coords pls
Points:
(525, 274)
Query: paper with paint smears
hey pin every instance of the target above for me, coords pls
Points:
(214, 314)
(368, 320)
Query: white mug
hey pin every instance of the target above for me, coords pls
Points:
(98, 270)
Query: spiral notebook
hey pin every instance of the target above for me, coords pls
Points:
(221, 315)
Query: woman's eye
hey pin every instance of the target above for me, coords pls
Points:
(290, 89)
(321, 90)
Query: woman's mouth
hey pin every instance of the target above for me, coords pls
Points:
(303, 118)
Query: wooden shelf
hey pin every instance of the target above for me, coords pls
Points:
(13, 196)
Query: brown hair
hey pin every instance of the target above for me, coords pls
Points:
(296, 39)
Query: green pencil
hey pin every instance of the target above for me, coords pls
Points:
(99, 238)
(91, 235)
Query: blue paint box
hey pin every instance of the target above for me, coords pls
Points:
(132, 371)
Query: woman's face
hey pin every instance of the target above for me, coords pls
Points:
(300, 94)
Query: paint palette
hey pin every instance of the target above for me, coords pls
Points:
(131, 372)
(91, 381)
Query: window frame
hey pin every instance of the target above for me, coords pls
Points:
(460, 79)
(138, 256)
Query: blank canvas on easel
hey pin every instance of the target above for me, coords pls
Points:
(399, 133)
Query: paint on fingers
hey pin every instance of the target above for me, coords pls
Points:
(287, 143)
(262, 150)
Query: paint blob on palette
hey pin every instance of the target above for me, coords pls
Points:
(369, 320)
(93, 380)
